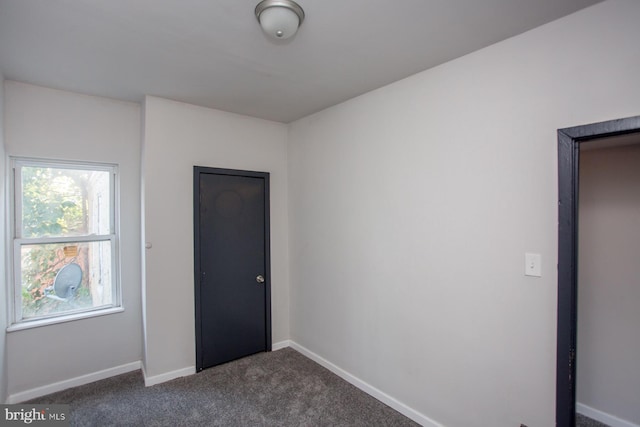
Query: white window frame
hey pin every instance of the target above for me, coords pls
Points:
(17, 322)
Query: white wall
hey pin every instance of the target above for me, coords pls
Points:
(53, 124)
(608, 376)
(3, 270)
(177, 137)
(411, 208)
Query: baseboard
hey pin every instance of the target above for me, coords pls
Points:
(603, 417)
(280, 345)
(367, 388)
(167, 376)
(73, 382)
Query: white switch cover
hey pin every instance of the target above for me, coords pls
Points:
(532, 265)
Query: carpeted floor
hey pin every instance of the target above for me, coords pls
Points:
(280, 388)
(582, 421)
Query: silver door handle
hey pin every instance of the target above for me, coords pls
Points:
(260, 278)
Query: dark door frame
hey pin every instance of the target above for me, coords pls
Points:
(569, 140)
(197, 171)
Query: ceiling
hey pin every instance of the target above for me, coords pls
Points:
(213, 53)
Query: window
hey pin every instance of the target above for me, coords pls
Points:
(65, 244)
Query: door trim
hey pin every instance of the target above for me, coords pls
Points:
(569, 140)
(197, 171)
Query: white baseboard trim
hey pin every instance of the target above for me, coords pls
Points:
(367, 388)
(167, 376)
(280, 345)
(73, 382)
(603, 417)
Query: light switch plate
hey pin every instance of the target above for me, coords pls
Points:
(532, 265)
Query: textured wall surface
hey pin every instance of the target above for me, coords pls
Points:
(177, 137)
(412, 207)
(47, 123)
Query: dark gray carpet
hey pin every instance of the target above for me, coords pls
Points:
(281, 388)
(582, 421)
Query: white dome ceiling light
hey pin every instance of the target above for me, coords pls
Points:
(279, 19)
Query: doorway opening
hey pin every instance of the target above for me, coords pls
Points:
(569, 140)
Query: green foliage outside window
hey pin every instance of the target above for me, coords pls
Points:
(53, 204)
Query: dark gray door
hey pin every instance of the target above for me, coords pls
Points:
(231, 264)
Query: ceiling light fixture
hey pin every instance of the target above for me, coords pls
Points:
(279, 19)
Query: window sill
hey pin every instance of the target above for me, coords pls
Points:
(29, 324)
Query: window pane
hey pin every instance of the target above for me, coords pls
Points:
(62, 277)
(65, 202)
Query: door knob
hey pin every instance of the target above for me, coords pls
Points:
(260, 278)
